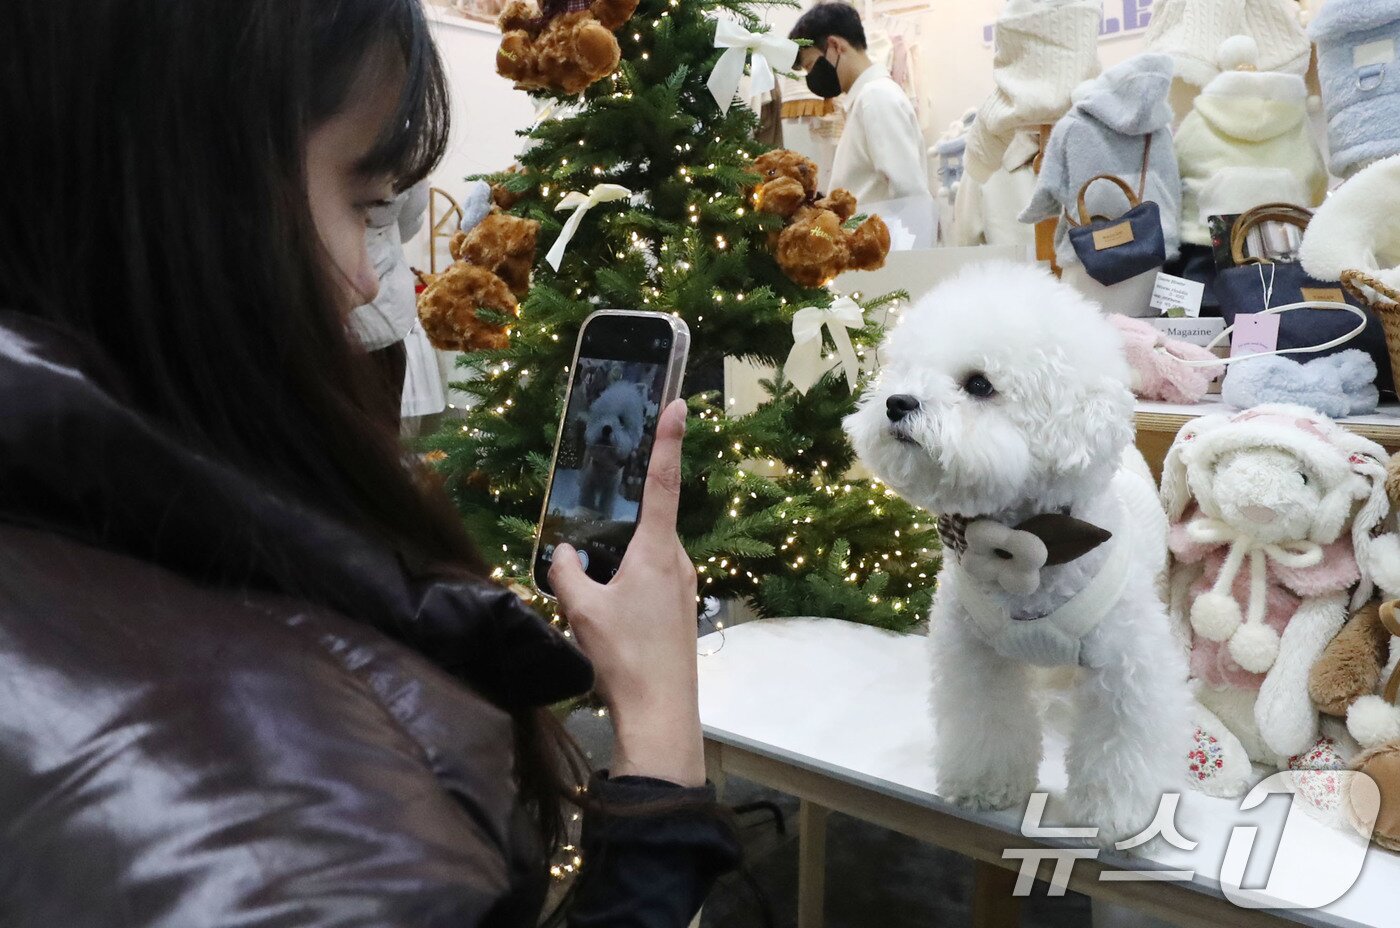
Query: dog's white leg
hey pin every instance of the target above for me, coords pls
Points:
(987, 733)
(1132, 732)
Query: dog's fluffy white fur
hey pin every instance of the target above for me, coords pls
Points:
(1055, 434)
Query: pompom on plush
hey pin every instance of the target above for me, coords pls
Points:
(1216, 616)
(1238, 53)
(815, 246)
(1255, 647)
(560, 48)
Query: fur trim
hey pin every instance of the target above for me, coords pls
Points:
(1355, 229)
(1340, 18)
(1264, 85)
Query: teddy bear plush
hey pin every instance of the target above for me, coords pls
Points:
(1358, 679)
(815, 246)
(1273, 513)
(564, 46)
(493, 254)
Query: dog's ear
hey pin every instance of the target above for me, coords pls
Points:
(1104, 414)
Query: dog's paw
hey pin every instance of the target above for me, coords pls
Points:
(987, 794)
(1115, 818)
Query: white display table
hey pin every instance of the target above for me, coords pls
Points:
(836, 714)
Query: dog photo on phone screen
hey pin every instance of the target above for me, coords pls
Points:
(606, 442)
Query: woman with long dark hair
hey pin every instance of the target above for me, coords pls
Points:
(253, 672)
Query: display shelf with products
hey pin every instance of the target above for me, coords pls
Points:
(828, 711)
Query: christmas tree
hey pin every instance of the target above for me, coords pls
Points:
(768, 512)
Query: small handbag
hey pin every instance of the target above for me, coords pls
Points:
(1115, 250)
(1257, 284)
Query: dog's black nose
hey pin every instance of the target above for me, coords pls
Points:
(607, 431)
(900, 406)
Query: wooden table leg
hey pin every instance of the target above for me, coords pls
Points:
(811, 864)
(993, 905)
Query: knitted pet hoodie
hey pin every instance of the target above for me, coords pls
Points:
(1190, 31)
(1043, 51)
(1105, 133)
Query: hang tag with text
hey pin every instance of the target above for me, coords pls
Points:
(1113, 236)
(1177, 297)
(1255, 333)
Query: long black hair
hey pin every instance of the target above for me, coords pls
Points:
(153, 197)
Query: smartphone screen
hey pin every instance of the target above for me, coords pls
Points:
(624, 375)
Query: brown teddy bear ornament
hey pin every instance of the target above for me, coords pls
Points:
(564, 46)
(491, 271)
(1358, 679)
(815, 246)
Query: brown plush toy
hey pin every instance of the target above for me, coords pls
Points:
(815, 246)
(491, 271)
(564, 46)
(1355, 679)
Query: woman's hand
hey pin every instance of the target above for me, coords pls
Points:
(639, 630)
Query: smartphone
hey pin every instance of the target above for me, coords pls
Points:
(628, 366)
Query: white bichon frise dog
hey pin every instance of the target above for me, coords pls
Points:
(612, 432)
(1002, 406)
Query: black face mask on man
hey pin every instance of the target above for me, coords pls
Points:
(822, 79)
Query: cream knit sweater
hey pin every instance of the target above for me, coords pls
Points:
(1043, 51)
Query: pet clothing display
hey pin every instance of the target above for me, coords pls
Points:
(1043, 51)
(1190, 31)
(1358, 63)
(1106, 133)
(989, 213)
(1338, 385)
(1259, 284)
(1158, 371)
(1246, 121)
(1273, 512)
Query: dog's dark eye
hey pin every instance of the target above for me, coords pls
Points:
(1305, 479)
(979, 386)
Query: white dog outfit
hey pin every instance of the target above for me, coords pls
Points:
(1003, 404)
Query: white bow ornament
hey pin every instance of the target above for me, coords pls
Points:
(580, 204)
(765, 52)
(804, 366)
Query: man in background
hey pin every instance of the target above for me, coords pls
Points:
(881, 153)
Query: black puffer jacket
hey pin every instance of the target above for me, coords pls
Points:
(180, 752)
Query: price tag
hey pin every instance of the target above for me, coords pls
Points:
(1176, 297)
(1255, 333)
